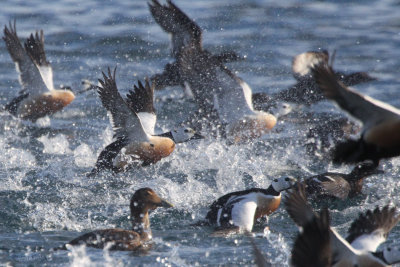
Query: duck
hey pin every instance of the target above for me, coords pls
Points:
(306, 91)
(340, 185)
(133, 122)
(38, 97)
(142, 201)
(237, 211)
(380, 136)
(223, 99)
(359, 248)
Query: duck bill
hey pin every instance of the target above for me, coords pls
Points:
(165, 204)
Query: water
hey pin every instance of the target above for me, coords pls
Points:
(45, 198)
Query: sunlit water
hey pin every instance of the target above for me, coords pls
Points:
(45, 197)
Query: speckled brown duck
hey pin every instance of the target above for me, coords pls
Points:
(142, 201)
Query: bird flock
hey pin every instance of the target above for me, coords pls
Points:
(227, 109)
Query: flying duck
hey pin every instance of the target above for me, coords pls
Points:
(142, 201)
(365, 234)
(380, 136)
(38, 98)
(223, 99)
(134, 121)
(306, 91)
(237, 211)
(339, 185)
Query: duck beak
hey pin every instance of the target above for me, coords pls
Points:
(197, 136)
(165, 204)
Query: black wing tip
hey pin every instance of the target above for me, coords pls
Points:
(372, 220)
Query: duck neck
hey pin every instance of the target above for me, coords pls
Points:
(140, 221)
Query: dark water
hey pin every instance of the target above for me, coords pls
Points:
(45, 198)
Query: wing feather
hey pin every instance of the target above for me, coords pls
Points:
(125, 121)
(370, 111)
(30, 77)
(185, 32)
(34, 46)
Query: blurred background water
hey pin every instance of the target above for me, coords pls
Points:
(45, 197)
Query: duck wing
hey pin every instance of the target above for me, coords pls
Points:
(34, 46)
(312, 247)
(118, 239)
(184, 31)
(125, 121)
(370, 111)
(29, 75)
(371, 228)
(329, 184)
(140, 100)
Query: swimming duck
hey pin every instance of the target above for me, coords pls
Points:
(38, 98)
(223, 99)
(237, 211)
(365, 234)
(339, 185)
(306, 91)
(134, 121)
(380, 136)
(142, 201)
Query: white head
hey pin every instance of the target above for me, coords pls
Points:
(392, 254)
(280, 109)
(181, 135)
(283, 183)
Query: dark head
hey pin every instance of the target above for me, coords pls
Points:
(365, 169)
(146, 199)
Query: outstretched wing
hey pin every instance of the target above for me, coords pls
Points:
(185, 32)
(34, 46)
(370, 111)
(125, 121)
(29, 75)
(370, 229)
(312, 247)
(140, 100)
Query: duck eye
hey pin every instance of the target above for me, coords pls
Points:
(389, 249)
(186, 130)
(287, 179)
(275, 180)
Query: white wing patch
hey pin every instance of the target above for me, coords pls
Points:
(369, 242)
(148, 121)
(47, 75)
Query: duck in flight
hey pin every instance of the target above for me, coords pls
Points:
(237, 211)
(380, 136)
(359, 248)
(306, 91)
(37, 98)
(134, 121)
(142, 201)
(224, 100)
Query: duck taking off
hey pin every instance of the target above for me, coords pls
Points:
(224, 101)
(38, 98)
(133, 121)
(380, 137)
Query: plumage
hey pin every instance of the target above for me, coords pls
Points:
(142, 201)
(339, 185)
(223, 99)
(37, 97)
(342, 252)
(306, 91)
(238, 210)
(133, 121)
(381, 122)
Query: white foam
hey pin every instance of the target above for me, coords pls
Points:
(84, 156)
(57, 145)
